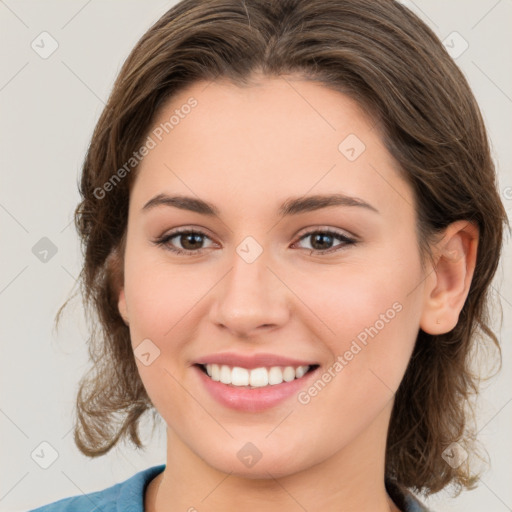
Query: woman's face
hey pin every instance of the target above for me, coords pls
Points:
(254, 290)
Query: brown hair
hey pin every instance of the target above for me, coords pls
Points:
(383, 56)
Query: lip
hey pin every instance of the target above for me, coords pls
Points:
(256, 399)
(252, 361)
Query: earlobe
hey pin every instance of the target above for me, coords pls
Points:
(450, 280)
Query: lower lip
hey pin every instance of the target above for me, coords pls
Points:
(256, 399)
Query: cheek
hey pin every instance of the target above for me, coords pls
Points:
(163, 302)
(373, 323)
(369, 315)
(160, 294)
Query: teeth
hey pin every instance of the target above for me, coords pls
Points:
(257, 377)
(225, 374)
(275, 375)
(301, 371)
(239, 377)
(289, 374)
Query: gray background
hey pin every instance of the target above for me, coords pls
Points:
(48, 111)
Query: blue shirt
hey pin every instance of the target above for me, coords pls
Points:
(128, 496)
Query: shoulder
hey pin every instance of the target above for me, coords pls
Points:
(404, 499)
(127, 496)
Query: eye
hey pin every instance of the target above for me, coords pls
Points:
(322, 238)
(191, 241)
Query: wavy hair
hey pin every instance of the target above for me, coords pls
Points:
(385, 58)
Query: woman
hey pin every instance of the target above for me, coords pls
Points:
(290, 222)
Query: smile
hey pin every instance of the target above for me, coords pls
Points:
(254, 378)
(256, 389)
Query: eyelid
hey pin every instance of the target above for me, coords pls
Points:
(346, 237)
(166, 237)
(337, 231)
(346, 240)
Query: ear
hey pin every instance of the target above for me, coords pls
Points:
(449, 281)
(115, 271)
(121, 305)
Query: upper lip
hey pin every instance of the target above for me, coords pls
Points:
(251, 361)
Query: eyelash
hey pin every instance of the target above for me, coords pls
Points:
(164, 241)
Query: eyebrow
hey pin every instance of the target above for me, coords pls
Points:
(292, 206)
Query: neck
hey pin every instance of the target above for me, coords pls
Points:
(351, 480)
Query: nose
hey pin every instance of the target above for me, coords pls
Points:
(251, 298)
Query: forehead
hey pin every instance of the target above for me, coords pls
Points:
(277, 137)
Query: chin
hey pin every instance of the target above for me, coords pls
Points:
(271, 464)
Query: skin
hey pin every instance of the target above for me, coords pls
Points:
(247, 150)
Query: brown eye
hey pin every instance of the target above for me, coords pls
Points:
(190, 240)
(322, 241)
